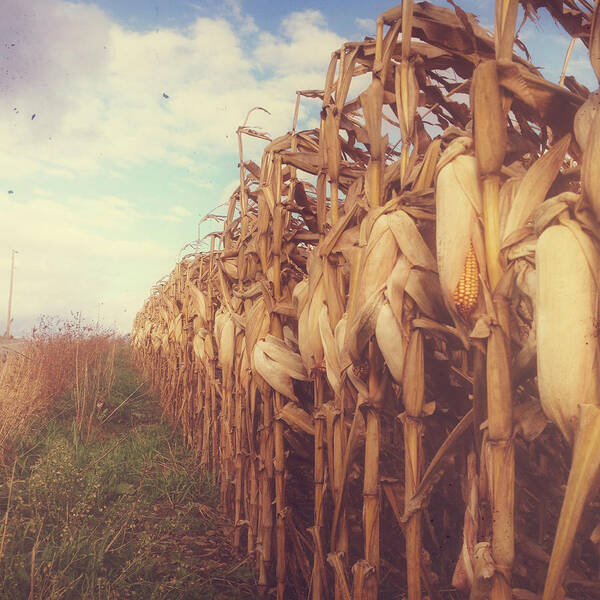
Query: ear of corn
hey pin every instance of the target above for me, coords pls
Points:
(390, 340)
(467, 289)
(566, 318)
(458, 237)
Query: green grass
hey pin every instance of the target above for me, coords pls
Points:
(127, 514)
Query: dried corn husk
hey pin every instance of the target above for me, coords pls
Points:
(198, 345)
(273, 372)
(585, 117)
(566, 317)
(391, 341)
(199, 304)
(395, 246)
(378, 258)
(227, 346)
(280, 352)
(321, 290)
(590, 178)
(458, 211)
(533, 188)
(257, 324)
(330, 350)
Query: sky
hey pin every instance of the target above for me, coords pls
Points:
(117, 130)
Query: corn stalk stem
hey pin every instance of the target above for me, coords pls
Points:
(205, 456)
(333, 187)
(500, 456)
(566, 61)
(371, 503)
(212, 367)
(278, 402)
(501, 473)
(239, 469)
(266, 503)
(319, 477)
(340, 543)
(279, 465)
(243, 193)
(491, 222)
(252, 486)
(371, 500)
(414, 389)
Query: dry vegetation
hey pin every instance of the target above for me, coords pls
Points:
(100, 499)
(59, 356)
(389, 354)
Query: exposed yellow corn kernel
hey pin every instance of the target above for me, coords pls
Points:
(466, 292)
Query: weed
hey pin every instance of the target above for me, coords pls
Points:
(117, 508)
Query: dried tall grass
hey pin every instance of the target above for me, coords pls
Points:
(58, 357)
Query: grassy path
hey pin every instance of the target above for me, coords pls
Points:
(122, 514)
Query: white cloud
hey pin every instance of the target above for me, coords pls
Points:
(227, 191)
(61, 172)
(108, 99)
(368, 26)
(304, 46)
(235, 7)
(70, 260)
(105, 101)
(181, 211)
(37, 62)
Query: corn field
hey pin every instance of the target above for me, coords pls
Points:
(389, 355)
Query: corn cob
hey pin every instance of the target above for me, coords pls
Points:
(467, 291)
(458, 234)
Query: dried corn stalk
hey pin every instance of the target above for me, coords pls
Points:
(383, 263)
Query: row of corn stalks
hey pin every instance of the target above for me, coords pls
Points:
(389, 355)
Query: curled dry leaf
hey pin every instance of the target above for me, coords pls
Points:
(271, 371)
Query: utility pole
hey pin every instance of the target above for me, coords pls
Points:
(10, 291)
